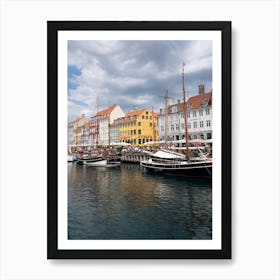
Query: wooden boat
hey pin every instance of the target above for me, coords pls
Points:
(171, 163)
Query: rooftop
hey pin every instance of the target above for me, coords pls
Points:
(106, 111)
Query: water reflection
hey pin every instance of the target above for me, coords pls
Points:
(125, 202)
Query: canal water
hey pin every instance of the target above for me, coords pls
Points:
(127, 202)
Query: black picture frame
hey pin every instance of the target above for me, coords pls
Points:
(53, 27)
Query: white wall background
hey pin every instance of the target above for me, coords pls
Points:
(255, 102)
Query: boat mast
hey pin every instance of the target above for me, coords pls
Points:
(165, 119)
(154, 129)
(109, 123)
(97, 123)
(185, 114)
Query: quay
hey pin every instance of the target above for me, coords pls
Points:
(136, 157)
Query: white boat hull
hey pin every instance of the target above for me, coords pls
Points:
(102, 162)
(70, 158)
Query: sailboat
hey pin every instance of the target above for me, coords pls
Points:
(93, 158)
(70, 156)
(100, 158)
(171, 163)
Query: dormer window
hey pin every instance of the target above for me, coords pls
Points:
(204, 102)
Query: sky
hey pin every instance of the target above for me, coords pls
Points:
(134, 73)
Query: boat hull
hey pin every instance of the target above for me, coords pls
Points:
(96, 163)
(70, 158)
(191, 170)
(99, 161)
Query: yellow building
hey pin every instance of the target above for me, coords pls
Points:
(78, 131)
(138, 127)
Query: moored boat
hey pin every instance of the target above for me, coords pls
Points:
(168, 164)
(90, 159)
(70, 158)
(98, 161)
(194, 163)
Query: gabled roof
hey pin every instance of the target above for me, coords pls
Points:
(78, 119)
(197, 101)
(135, 113)
(106, 111)
(86, 125)
(179, 106)
(193, 103)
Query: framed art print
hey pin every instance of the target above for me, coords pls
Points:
(139, 140)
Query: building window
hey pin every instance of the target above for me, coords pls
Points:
(201, 123)
(209, 135)
(139, 131)
(139, 123)
(208, 123)
(207, 111)
(177, 126)
(172, 127)
(151, 124)
(189, 125)
(200, 113)
(204, 103)
(194, 114)
(143, 117)
(195, 125)
(182, 126)
(139, 141)
(188, 114)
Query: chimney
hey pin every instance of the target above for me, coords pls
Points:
(201, 89)
(160, 111)
(178, 101)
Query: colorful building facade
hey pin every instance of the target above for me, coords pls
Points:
(104, 119)
(138, 127)
(199, 119)
(78, 130)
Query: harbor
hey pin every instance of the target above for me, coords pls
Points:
(127, 202)
(138, 168)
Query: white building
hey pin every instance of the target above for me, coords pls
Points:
(71, 139)
(104, 119)
(199, 119)
(115, 132)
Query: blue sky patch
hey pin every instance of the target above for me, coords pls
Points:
(72, 73)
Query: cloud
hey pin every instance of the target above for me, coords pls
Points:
(132, 73)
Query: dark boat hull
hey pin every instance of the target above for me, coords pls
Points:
(191, 170)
